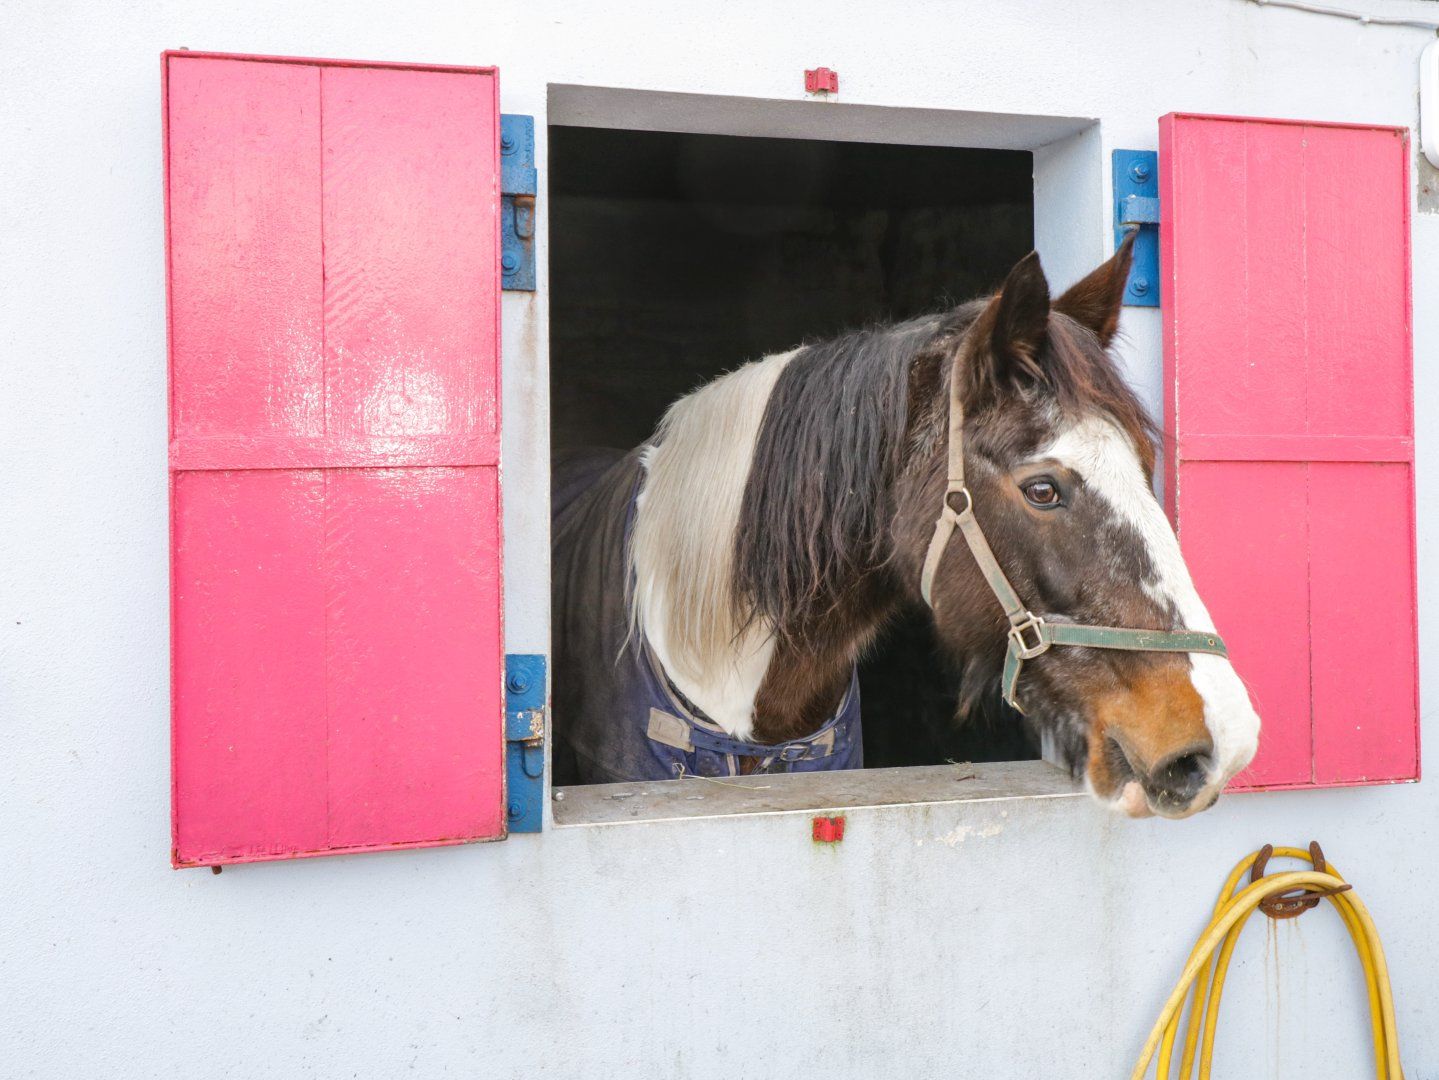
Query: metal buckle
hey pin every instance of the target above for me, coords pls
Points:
(793, 752)
(1023, 649)
(968, 500)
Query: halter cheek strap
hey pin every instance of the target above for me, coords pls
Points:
(1029, 635)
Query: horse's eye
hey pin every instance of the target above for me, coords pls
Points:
(1042, 493)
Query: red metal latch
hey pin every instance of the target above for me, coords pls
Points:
(828, 830)
(821, 81)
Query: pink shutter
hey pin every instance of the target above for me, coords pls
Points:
(1290, 468)
(334, 427)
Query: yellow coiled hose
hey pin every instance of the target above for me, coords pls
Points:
(1236, 903)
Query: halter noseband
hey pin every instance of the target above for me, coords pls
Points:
(1029, 635)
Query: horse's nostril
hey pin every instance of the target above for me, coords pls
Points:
(1181, 777)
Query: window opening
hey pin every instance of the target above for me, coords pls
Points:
(675, 257)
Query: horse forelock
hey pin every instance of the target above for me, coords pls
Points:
(1086, 382)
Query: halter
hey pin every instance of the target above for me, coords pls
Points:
(1029, 635)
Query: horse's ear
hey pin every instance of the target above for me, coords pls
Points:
(1008, 335)
(1094, 300)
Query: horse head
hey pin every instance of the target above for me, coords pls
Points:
(1058, 459)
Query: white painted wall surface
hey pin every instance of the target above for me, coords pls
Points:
(1032, 940)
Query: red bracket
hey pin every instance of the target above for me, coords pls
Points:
(828, 830)
(821, 81)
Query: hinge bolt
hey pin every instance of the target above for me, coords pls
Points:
(516, 810)
(507, 145)
(1139, 286)
(517, 683)
(509, 263)
(1139, 171)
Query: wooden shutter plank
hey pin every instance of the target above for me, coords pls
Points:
(248, 747)
(411, 292)
(1357, 286)
(1362, 587)
(413, 588)
(1361, 575)
(246, 283)
(1289, 472)
(1264, 617)
(1240, 313)
(411, 295)
(245, 248)
(336, 567)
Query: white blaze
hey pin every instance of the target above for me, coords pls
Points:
(1105, 458)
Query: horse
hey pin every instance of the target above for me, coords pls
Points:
(714, 588)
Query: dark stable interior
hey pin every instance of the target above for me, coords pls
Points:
(676, 257)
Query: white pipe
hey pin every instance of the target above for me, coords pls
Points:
(1345, 13)
(1429, 102)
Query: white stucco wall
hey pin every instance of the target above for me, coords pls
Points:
(1037, 939)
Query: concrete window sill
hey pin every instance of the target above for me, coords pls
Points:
(800, 793)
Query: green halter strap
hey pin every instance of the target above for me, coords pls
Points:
(1029, 635)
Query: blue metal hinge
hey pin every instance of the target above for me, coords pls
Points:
(525, 742)
(517, 202)
(1136, 206)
